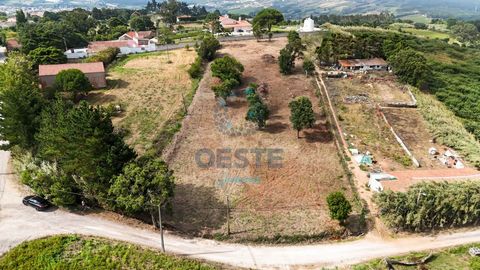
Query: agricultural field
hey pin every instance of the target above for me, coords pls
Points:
(150, 88)
(268, 203)
(455, 258)
(81, 252)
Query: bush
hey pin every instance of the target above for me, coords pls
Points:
(429, 206)
(286, 61)
(196, 69)
(339, 206)
(308, 67)
(227, 68)
(208, 48)
(106, 56)
(224, 89)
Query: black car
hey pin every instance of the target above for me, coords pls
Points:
(37, 202)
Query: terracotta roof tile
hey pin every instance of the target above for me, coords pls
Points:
(48, 70)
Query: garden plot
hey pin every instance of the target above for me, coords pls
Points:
(150, 89)
(265, 201)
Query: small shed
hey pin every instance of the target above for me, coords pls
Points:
(95, 73)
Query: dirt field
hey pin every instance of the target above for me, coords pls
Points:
(361, 120)
(410, 126)
(149, 88)
(266, 201)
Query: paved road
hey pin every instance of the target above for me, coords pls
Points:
(19, 223)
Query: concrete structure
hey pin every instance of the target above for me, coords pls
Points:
(3, 55)
(238, 28)
(308, 26)
(363, 64)
(95, 73)
(77, 53)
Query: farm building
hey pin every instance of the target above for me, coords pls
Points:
(363, 64)
(95, 73)
(240, 27)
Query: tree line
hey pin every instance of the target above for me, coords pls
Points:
(69, 151)
(431, 206)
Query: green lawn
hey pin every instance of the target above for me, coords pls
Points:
(417, 18)
(456, 258)
(78, 252)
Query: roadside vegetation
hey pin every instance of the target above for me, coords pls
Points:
(431, 206)
(88, 253)
(448, 258)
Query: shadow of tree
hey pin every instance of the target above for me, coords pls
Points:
(196, 210)
(319, 133)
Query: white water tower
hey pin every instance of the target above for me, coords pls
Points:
(308, 25)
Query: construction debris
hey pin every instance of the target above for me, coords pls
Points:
(449, 158)
(360, 98)
(474, 251)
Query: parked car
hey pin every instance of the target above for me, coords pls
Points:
(37, 202)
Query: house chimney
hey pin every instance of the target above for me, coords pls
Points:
(240, 18)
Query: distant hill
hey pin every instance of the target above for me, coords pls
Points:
(302, 8)
(75, 3)
(296, 8)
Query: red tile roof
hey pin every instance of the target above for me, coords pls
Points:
(140, 34)
(49, 70)
(231, 23)
(97, 46)
(362, 62)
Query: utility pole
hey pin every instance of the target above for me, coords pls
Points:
(161, 228)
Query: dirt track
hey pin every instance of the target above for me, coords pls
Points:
(19, 223)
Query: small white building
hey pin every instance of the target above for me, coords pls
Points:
(375, 181)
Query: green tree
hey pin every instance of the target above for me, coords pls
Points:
(466, 32)
(208, 48)
(257, 111)
(44, 56)
(82, 141)
(73, 81)
(286, 60)
(21, 102)
(227, 68)
(308, 67)
(142, 186)
(339, 206)
(412, 68)
(301, 114)
(213, 24)
(20, 17)
(141, 23)
(265, 19)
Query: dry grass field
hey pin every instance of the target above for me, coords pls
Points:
(266, 202)
(149, 88)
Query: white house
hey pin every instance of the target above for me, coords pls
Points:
(238, 28)
(129, 43)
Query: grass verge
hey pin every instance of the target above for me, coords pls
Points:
(78, 252)
(450, 258)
